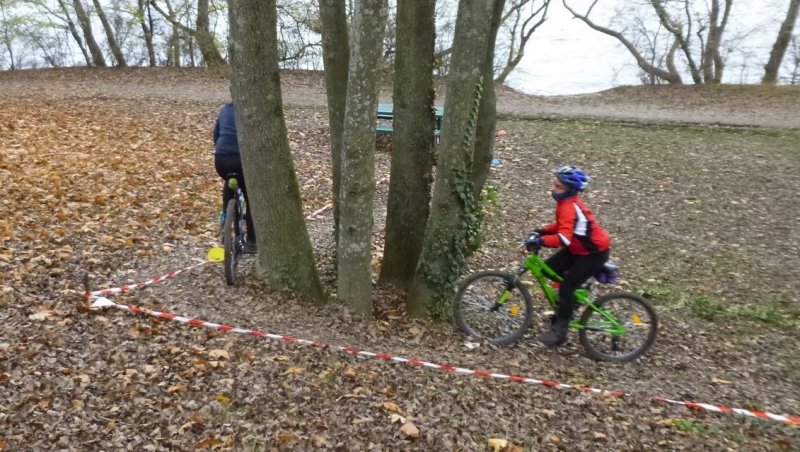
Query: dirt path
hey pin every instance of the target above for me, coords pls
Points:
(729, 105)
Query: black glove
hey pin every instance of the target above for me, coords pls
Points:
(533, 242)
(539, 231)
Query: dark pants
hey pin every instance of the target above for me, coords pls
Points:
(225, 165)
(575, 270)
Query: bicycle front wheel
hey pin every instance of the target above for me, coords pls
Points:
(493, 306)
(622, 328)
(230, 243)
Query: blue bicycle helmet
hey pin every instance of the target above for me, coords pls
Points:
(573, 177)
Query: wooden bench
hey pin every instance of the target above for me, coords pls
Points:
(386, 112)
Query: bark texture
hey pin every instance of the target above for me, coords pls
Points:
(453, 219)
(285, 258)
(335, 57)
(412, 145)
(86, 27)
(780, 45)
(357, 191)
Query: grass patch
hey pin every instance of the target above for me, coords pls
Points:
(710, 308)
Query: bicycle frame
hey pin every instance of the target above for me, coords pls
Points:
(543, 274)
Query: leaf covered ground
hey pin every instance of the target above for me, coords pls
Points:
(109, 174)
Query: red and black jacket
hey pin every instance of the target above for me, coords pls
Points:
(575, 228)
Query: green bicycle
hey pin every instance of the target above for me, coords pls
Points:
(497, 306)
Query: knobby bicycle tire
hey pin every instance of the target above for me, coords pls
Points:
(634, 322)
(492, 320)
(229, 243)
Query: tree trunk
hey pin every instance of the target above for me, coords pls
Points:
(112, 40)
(487, 115)
(780, 45)
(285, 258)
(74, 32)
(412, 146)
(335, 57)
(86, 26)
(205, 39)
(357, 189)
(147, 30)
(452, 222)
(7, 39)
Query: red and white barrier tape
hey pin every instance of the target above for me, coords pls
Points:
(101, 302)
(143, 284)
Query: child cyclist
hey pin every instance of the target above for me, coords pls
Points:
(227, 161)
(584, 246)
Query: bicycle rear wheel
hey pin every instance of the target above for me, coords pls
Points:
(491, 305)
(230, 241)
(632, 335)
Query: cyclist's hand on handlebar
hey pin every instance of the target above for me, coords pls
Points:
(533, 242)
(539, 231)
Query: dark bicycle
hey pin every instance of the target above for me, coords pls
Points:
(234, 229)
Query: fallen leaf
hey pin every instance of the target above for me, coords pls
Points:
(219, 354)
(225, 400)
(282, 358)
(410, 430)
(286, 437)
(208, 442)
(720, 381)
(598, 435)
(319, 440)
(497, 444)
(294, 371)
(397, 418)
(350, 372)
(41, 315)
(176, 388)
(391, 407)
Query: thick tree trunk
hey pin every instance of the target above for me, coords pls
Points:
(86, 26)
(74, 32)
(452, 222)
(487, 115)
(285, 258)
(412, 147)
(780, 45)
(205, 39)
(335, 57)
(112, 40)
(357, 189)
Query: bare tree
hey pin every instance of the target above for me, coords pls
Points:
(74, 32)
(285, 258)
(145, 16)
(412, 146)
(683, 23)
(112, 40)
(357, 190)
(520, 19)
(780, 45)
(336, 57)
(453, 219)
(86, 26)
(205, 39)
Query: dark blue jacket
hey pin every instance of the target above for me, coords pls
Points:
(225, 140)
